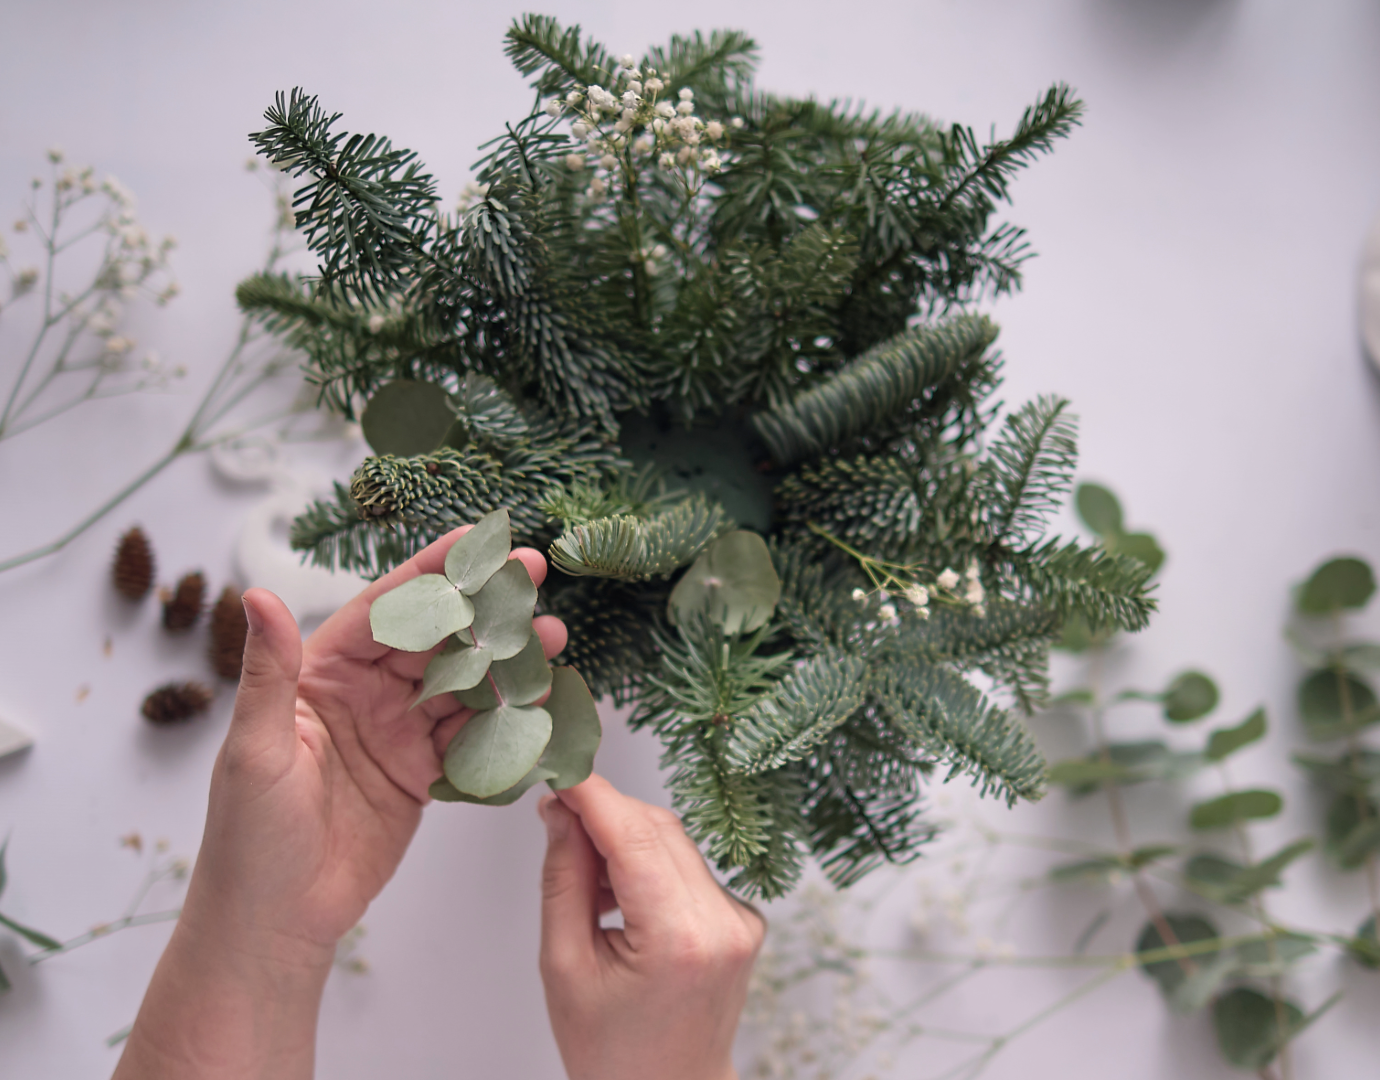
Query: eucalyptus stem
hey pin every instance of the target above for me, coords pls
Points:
(1120, 828)
(1362, 795)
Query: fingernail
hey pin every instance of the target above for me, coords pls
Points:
(557, 820)
(252, 616)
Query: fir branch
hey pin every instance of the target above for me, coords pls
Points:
(607, 625)
(538, 44)
(335, 536)
(954, 723)
(636, 549)
(1029, 470)
(812, 700)
(1109, 590)
(872, 389)
(366, 206)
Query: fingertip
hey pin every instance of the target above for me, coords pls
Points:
(535, 562)
(553, 633)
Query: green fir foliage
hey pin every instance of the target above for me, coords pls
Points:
(737, 305)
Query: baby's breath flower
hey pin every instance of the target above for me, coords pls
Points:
(654, 85)
(376, 322)
(686, 154)
(859, 596)
(686, 94)
(579, 129)
(714, 130)
(644, 144)
(948, 580)
(55, 154)
(575, 162)
(627, 61)
(685, 108)
(634, 88)
(658, 252)
(118, 346)
(917, 595)
(665, 109)
(597, 188)
(736, 123)
(667, 161)
(553, 107)
(21, 226)
(608, 161)
(887, 612)
(973, 572)
(630, 99)
(574, 98)
(710, 162)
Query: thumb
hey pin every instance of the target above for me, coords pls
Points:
(569, 893)
(266, 702)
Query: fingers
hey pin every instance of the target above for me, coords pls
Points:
(553, 635)
(632, 838)
(570, 893)
(265, 705)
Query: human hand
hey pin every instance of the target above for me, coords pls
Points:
(662, 996)
(315, 795)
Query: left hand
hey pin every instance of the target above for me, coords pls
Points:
(316, 792)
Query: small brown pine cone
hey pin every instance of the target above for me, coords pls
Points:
(229, 628)
(175, 702)
(132, 571)
(182, 609)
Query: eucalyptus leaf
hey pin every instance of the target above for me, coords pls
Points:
(1099, 509)
(1248, 1028)
(1080, 696)
(1228, 882)
(521, 679)
(478, 555)
(1353, 831)
(444, 791)
(575, 730)
(1191, 696)
(1337, 585)
(419, 614)
(1202, 983)
(1188, 929)
(732, 583)
(497, 748)
(1082, 773)
(1273, 955)
(1227, 810)
(1336, 704)
(503, 611)
(1108, 867)
(1226, 741)
(1130, 763)
(457, 667)
(407, 417)
(1350, 774)
(34, 937)
(1140, 546)
(1359, 656)
(1365, 947)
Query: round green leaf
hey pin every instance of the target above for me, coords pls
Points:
(1365, 947)
(496, 749)
(1351, 833)
(444, 791)
(1337, 585)
(575, 730)
(1187, 930)
(480, 696)
(732, 583)
(1190, 696)
(458, 666)
(1227, 741)
(1141, 546)
(407, 417)
(523, 678)
(1334, 704)
(480, 553)
(1227, 810)
(503, 611)
(420, 614)
(1248, 1028)
(1099, 509)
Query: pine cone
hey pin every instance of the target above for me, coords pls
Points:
(175, 702)
(132, 572)
(229, 628)
(182, 609)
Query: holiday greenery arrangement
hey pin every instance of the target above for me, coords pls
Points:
(681, 323)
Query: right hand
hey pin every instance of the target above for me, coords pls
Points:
(662, 996)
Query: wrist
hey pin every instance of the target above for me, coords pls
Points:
(229, 1001)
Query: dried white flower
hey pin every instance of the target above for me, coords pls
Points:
(608, 161)
(597, 188)
(579, 129)
(685, 108)
(860, 596)
(948, 580)
(887, 613)
(553, 107)
(575, 162)
(917, 595)
(736, 123)
(714, 130)
(666, 161)
(655, 85)
(627, 61)
(644, 144)
(376, 322)
(686, 94)
(666, 109)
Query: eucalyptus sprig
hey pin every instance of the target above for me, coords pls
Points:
(492, 660)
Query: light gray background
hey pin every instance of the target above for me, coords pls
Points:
(1194, 295)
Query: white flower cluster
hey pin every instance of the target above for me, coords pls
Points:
(973, 593)
(632, 123)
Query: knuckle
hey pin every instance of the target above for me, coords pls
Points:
(665, 820)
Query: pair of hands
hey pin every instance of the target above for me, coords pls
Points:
(315, 796)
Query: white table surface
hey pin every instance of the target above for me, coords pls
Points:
(1194, 296)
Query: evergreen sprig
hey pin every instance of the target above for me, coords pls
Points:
(689, 309)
